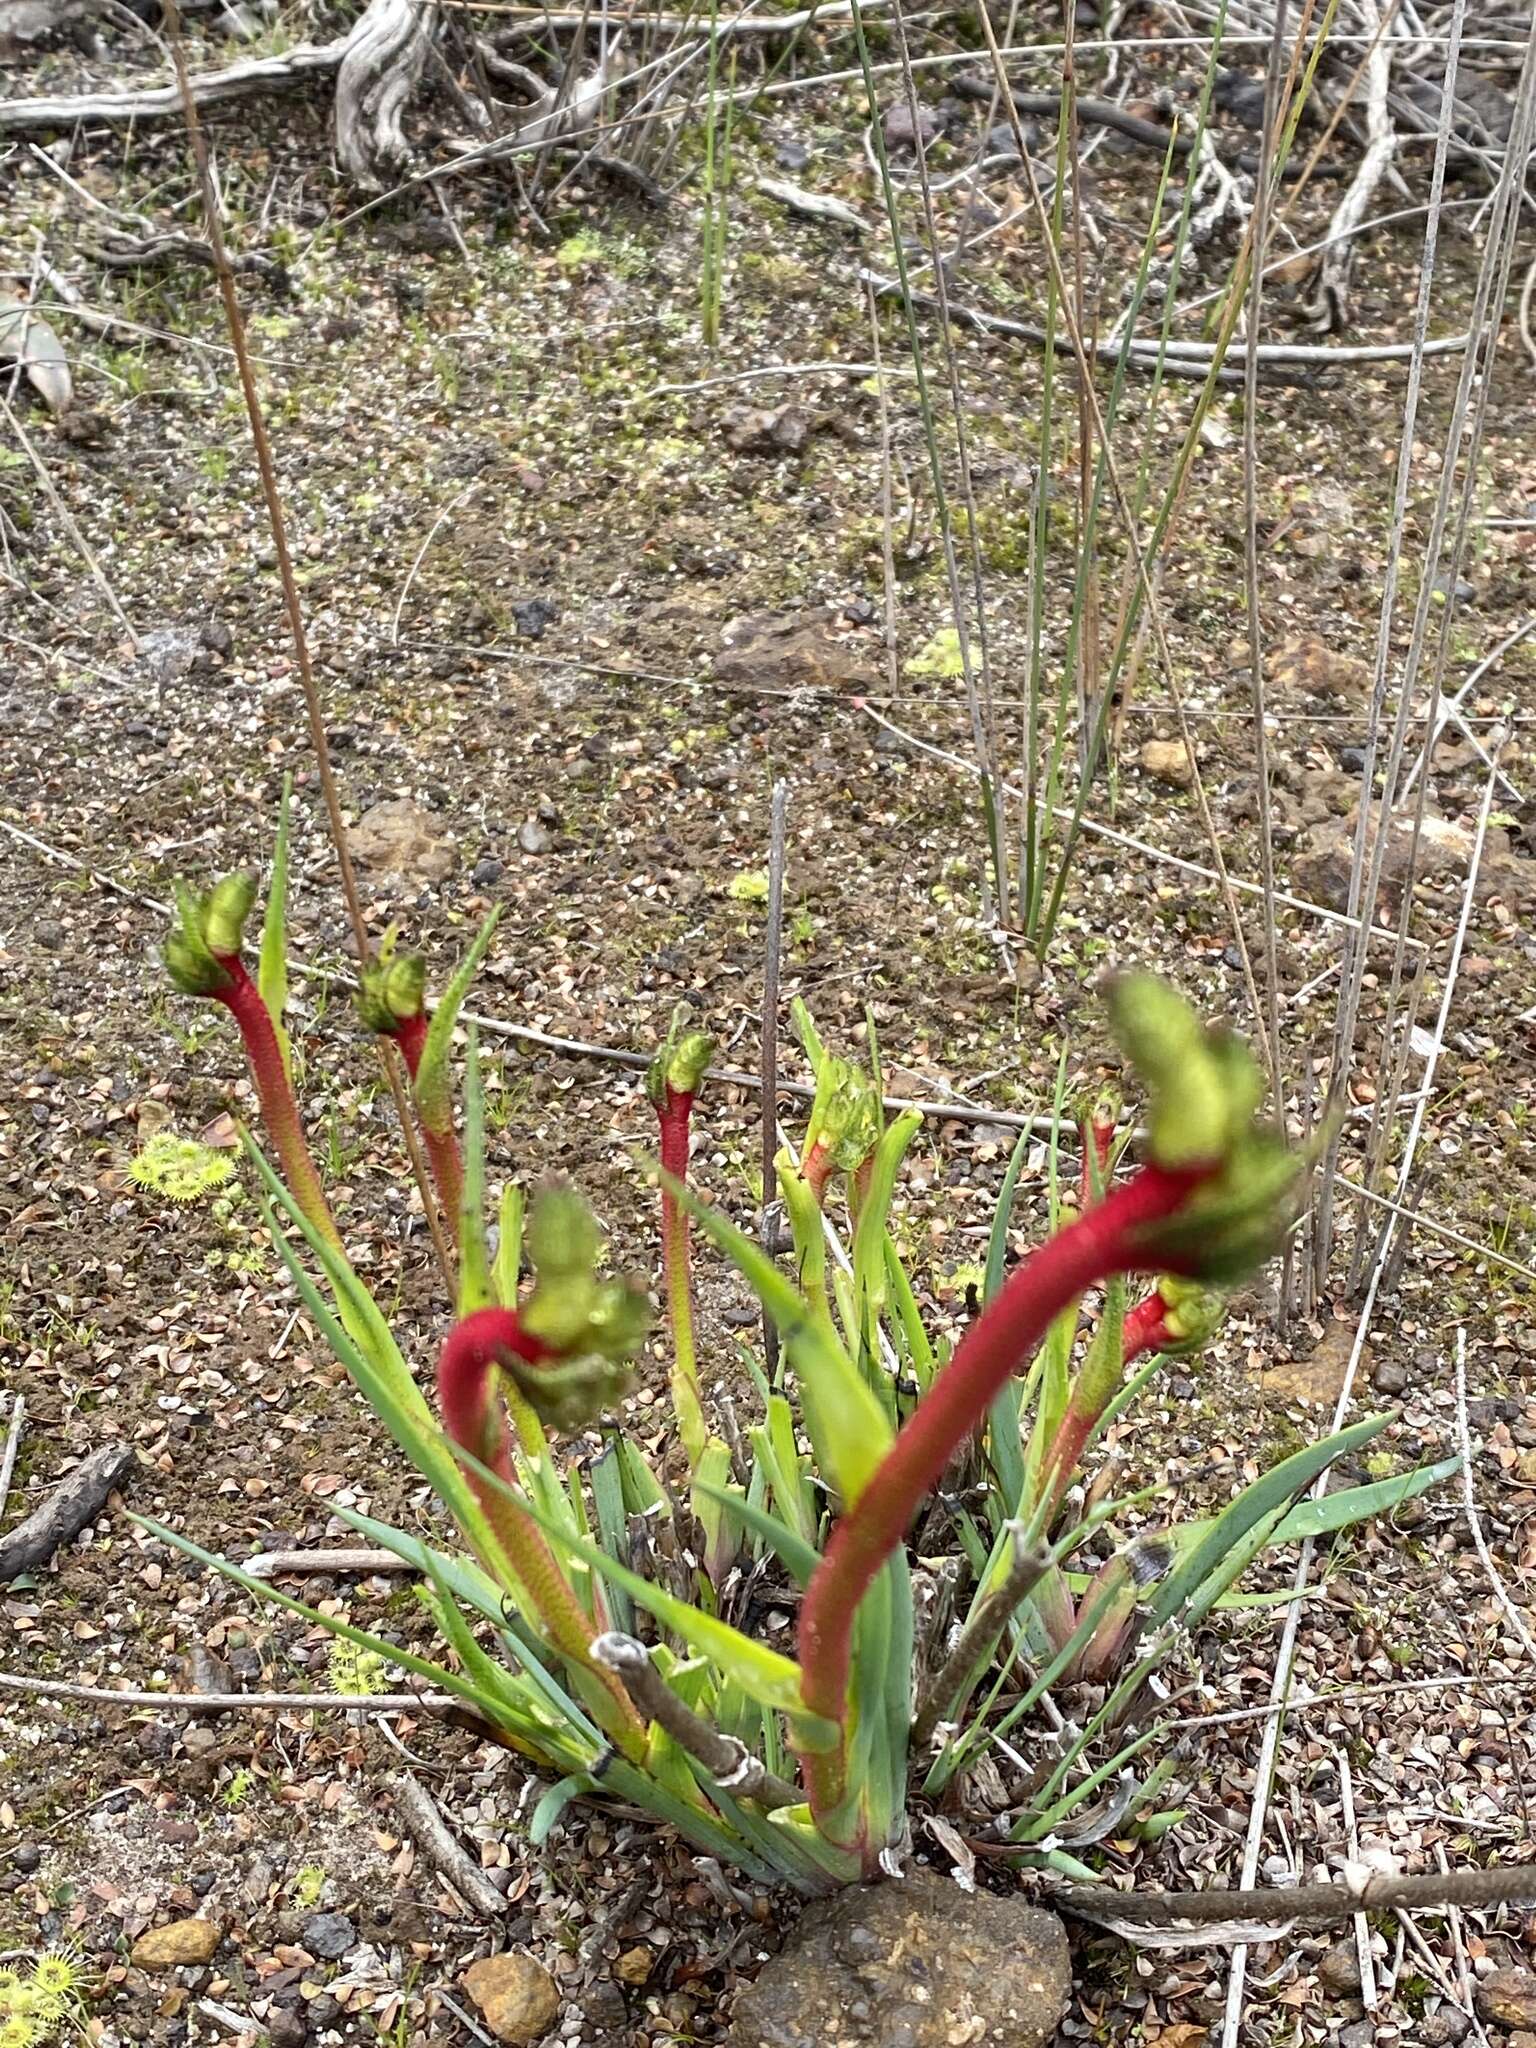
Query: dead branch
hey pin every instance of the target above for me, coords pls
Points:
(1360, 1890)
(231, 1702)
(435, 1840)
(1329, 308)
(78, 1499)
(274, 1564)
(380, 66)
(732, 1766)
(158, 102)
(159, 252)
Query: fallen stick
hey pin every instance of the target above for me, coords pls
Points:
(272, 1564)
(1360, 1890)
(78, 1498)
(158, 102)
(435, 1840)
(12, 1446)
(231, 1702)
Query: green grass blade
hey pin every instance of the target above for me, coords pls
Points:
(1268, 1496)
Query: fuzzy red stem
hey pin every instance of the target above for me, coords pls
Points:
(673, 1114)
(411, 1036)
(1146, 1328)
(1105, 1241)
(279, 1111)
(447, 1163)
(474, 1348)
(1098, 1137)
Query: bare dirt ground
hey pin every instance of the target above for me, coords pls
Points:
(582, 632)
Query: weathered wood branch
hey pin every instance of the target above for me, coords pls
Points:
(78, 1498)
(380, 67)
(160, 102)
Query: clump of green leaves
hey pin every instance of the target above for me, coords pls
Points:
(649, 1685)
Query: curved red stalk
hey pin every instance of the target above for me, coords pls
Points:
(279, 1111)
(1108, 1239)
(1146, 1328)
(818, 1169)
(476, 1346)
(411, 1036)
(673, 1113)
(1098, 1138)
(443, 1154)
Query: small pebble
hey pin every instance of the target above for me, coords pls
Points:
(328, 1935)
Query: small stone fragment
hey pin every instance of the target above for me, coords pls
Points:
(1168, 761)
(532, 837)
(1509, 1997)
(1390, 1377)
(783, 430)
(1339, 1969)
(329, 1936)
(177, 1945)
(515, 1994)
(635, 1965)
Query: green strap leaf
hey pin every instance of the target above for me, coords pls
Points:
(850, 1427)
(1268, 1497)
(765, 1676)
(434, 1079)
(798, 1557)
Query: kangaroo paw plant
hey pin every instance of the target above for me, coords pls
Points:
(576, 1616)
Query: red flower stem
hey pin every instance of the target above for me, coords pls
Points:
(818, 1170)
(1143, 1330)
(673, 1113)
(475, 1347)
(1108, 1239)
(1146, 1328)
(442, 1146)
(279, 1111)
(1098, 1139)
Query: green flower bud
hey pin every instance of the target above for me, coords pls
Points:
(563, 1238)
(680, 1065)
(188, 958)
(1192, 1313)
(572, 1392)
(392, 989)
(225, 910)
(1199, 1094)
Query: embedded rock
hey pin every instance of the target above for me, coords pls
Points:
(914, 1963)
(516, 1995)
(401, 838)
(1168, 761)
(179, 1945)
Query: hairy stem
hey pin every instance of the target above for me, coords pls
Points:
(1105, 1241)
(274, 1091)
(442, 1146)
(475, 1347)
(673, 1113)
